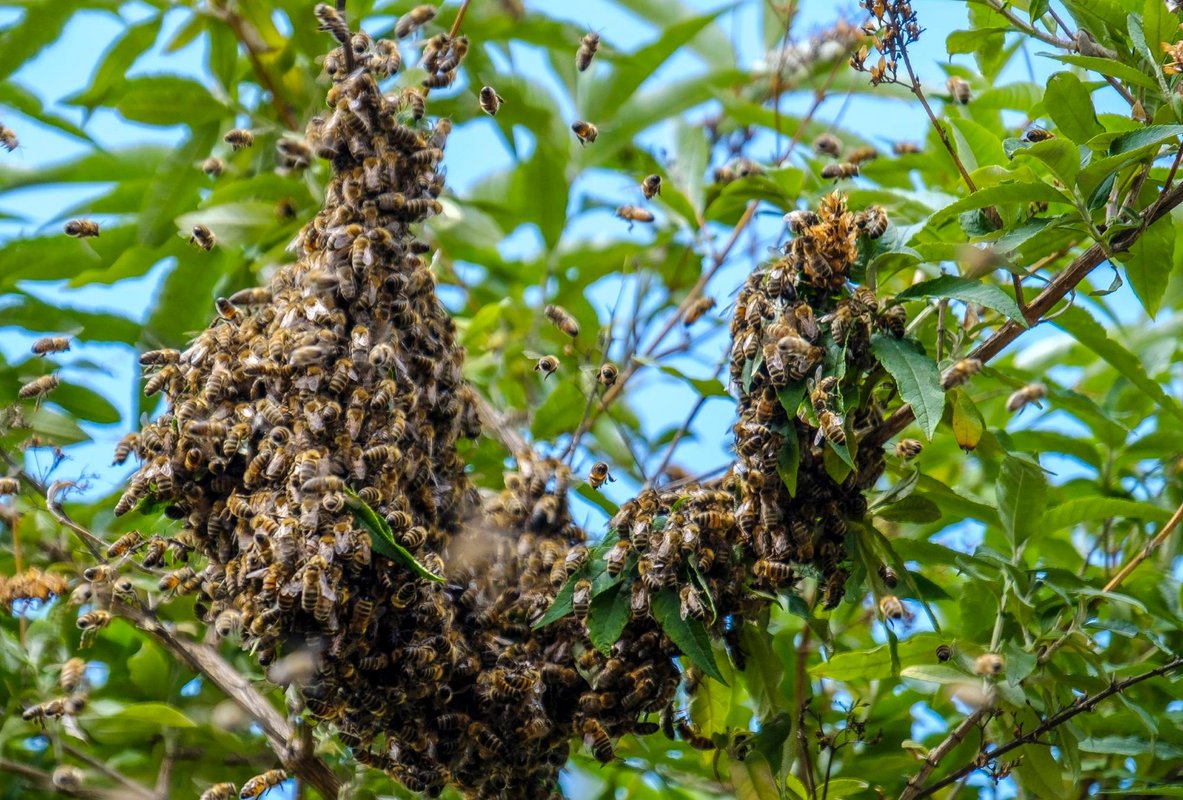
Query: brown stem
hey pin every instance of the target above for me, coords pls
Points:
(955, 737)
(1053, 293)
(1083, 704)
(801, 690)
(255, 47)
(44, 782)
(132, 786)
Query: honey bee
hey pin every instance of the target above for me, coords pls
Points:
(607, 375)
(51, 344)
(961, 372)
(220, 791)
(94, 620)
(581, 598)
(562, 319)
(67, 779)
(907, 449)
(830, 426)
(828, 144)
(125, 544)
(651, 186)
(873, 222)
(175, 581)
(38, 387)
(239, 139)
(203, 238)
(228, 623)
(154, 552)
(413, 20)
(599, 474)
(696, 310)
(959, 90)
(261, 783)
(839, 171)
(331, 22)
(891, 608)
(691, 603)
(72, 675)
(82, 228)
(1032, 393)
(575, 559)
(691, 735)
(588, 46)
(547, 365)
(414, 100)
(989, 664)
(596, 739)
(774, 572)
(585, 132)
(821, 395)
(1037, 135)
(861, 155)
(213, 166)
(617, 556)
(634, 214)
(944, 653)
(9, 486)
(8, 139)
(905, 148)
(490, 101)
(800, 221)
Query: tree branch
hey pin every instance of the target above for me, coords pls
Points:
(1083, 704)
(44, 781)
(255, 47)
(1147, 551)
(955, 737)
(1053, 293)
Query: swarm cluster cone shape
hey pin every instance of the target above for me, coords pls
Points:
(342, 381)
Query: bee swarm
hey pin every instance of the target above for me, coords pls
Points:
(345, 374)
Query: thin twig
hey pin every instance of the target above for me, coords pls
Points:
(44, 782)
(673, 445)
(955, 737)
(1053, 293)
(1083, 704)
(1146, 551)
(801, 689)
(133, 786)
(255, 47)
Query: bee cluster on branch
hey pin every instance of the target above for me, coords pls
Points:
(315, 412)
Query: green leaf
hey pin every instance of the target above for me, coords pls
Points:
(147, 667)
(607, 615)
(112, 69)
(968, 423)
(976, 144)
(1021, 490)
(561, 606)
(1158, 24)
(1144, 137)
(752, 779)
(36, 315)
(382, 537)
(168, 100)
(84, 403)
(1022, 192)
(1144, 263)
(934, 673)
(712, 44)
(689, 635)
(917, 378)
(1084, 509)
(1060, 156)
(789, 461)
(970, 41)
(763, 671)
(1107, 66)
(984, 294)
(54, 428)
(560, 412)
(1082, 327)
(41, 24)
(910, 509)
(1070, 106)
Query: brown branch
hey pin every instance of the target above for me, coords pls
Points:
(1083, 704)
(955, 737)
(801, 689)
(45, 782)
(1147, 551)
(1053, 293)
(255, 47)
(132, 786)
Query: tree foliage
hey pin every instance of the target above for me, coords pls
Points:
(1012, 609)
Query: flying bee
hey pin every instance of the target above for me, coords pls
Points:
(989, 664)
(561, 318)
(51, 344)
(607, 375)
(696, 310)
(1037, 135)
(891, 608)
(599, 474)
(8, 139)
(261, 783)
(125, 544)
(905, 148)
(239, 139)
(9, 486)
(203, 238)
(490, 101)
(220, 791)
(961, 372)
(547, 365)
(213, 166)
(634, 214)
(82, 228)
(588, 46)
(332, 22)
(692, 736)
(617, 556)
(596, 739)
(585, 132)
(1032, 393)
(863, 154)
(908, 449)
(39, 387)
(959, 90)
(94, 620)
(72, 675)
(944, 653)
(889, 576)
(828, 144)
(413, 20)
(651, 186)
(839, 171)
(873, 222)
